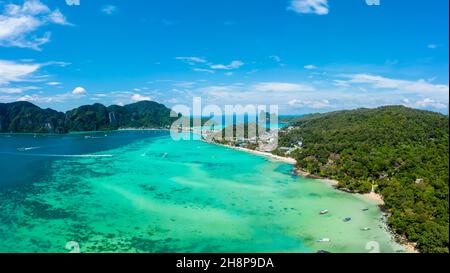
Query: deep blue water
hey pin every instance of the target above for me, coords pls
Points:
(26, 157)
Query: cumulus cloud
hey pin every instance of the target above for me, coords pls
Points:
(138, 97)
(430, 103)
(79, 91)
(319, 7)
(18, 23)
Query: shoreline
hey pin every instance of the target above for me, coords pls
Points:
(372, 196)
(409, 247)
(287, 160)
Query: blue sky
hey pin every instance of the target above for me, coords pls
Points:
(303, 55)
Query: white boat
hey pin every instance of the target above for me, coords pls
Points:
(27, 149)
(325, 211)
(324, 240)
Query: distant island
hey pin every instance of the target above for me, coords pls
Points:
(25, 117)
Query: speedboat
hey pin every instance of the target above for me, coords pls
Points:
(324, 240)
(365, 229)
(325, 211)
(348, 219)
(365, 209)
(27, 149)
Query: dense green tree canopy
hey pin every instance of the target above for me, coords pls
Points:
(25, 117)
(401, 152)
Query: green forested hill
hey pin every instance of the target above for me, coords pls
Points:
(403, 152)
(88, 118)
(25, 117)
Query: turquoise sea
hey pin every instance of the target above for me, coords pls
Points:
(141, 191)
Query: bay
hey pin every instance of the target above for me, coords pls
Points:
(141, 191)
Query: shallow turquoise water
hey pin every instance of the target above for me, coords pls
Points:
(145, 192)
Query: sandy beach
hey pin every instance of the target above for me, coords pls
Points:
(372, 196)
(287, 160)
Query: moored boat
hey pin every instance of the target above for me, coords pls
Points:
(325, 211)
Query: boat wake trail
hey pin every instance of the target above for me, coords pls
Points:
(57, 155)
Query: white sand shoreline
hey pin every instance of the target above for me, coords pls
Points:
(372, 196)
(409, 247)
(287, 160)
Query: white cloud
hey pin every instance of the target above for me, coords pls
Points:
(109, 9)
(191, 60)
(204, 66)
(204, 70)
(432, 46)
(79, 91)
(233, 65)
(310, 66)
(314, 104)
(379, 82)
(275, 58)
(18, 23)
(16, 72)
(26, 98)
(53, 83)
(138, 97)
(430, 103)
(58, 18)
(17, 90)
(319, 7)
(58, 98)
(281, 87)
